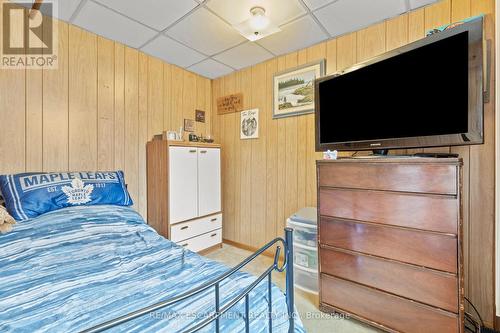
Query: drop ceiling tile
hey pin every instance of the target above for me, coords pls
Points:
(315, 4)
(237, 11)
(104, 22)
(63, 9)
(205, 32)
(244, 55)
(211, 69)
(299, 34)
(153, 13)
(345, 16)
(172, 52)
(420, 3)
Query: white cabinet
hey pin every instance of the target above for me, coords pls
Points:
(183, 184)
(209, 181)
(184, 192)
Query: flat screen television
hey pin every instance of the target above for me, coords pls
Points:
(427, 93)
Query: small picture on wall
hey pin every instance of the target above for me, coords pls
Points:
(189, 125)
(250, 124)
(200, 116)
(294, 90)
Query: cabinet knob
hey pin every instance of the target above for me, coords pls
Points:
(213, 220)
(184, 228)
(203, 151)
(184, 245)
(213, 235)
(192, 151)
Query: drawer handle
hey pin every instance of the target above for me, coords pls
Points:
(213, 220)
(184, 245)
(203, 151)
(184, 228)
(192, 151)
(213, 235)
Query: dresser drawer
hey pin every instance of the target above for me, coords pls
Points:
(423, 285)
(414, 247)
(182, 231)
(392, 312)
(436, 213)
(203, 242)
(405, 177)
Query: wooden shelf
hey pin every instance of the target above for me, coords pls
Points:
(193, 144)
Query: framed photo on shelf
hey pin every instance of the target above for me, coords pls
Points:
(294, 90)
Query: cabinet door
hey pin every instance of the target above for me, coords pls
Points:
(183, 184)
(209, 181)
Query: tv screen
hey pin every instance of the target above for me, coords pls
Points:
(425, 94)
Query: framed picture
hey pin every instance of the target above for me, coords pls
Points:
(200, 116)
(294, 90)
(249, 128)
(189, 125)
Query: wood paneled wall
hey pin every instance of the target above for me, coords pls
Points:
(105, 101)
(96, 111)
(265, 180)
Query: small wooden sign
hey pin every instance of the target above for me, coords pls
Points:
(230, 103)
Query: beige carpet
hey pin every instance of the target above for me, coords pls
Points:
(307, 304)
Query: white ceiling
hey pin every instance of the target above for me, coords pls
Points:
(198, 34)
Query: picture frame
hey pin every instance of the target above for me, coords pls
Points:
(200, 116)
(293, 90)
(189, 125)
(249, 124)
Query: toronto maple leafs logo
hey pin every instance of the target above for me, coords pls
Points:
(78, 193)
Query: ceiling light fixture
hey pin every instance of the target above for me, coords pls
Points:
(257, 26)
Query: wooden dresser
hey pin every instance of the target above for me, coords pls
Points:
(184, 192)
(390, 235)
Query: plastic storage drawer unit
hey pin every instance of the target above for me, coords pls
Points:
(303, 233)
(305, 258)
(305, 279)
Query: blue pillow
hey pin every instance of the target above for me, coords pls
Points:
(28, 195)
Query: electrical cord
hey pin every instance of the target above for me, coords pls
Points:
(471, 324)
(477, 312)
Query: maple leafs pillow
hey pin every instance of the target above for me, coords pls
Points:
(28, 195)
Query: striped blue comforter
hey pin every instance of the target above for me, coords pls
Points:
(74, 268)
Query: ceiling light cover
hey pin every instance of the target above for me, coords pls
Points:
(257, 26)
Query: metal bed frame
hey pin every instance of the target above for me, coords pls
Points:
(220, 309)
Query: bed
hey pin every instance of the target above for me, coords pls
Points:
(74, 268)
